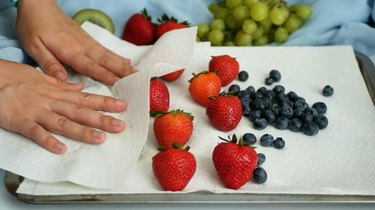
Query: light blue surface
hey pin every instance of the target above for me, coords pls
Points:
(335, 22)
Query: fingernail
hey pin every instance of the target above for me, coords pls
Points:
(98, 135)
(60, 75)
(117, 123)
(60, 148)
(132, 69)
(120, 103)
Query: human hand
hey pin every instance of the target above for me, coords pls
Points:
(52, 38)
(33, 102)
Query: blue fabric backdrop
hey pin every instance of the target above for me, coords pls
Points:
(334, 22)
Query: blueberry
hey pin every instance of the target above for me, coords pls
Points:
(279, 143)
(263, 90)
(298, 112)
(234, 89)
(268, 81)
(261, 159)
(327, 90)
(259, 104)
(292, 95)
(321, 121)
(286, 111)
(278, 89)
(309, 115)
(300, 104)
(282, 123)
(260, 175)
(269, 116)
(243, 94)
(243, 76)
(266, 140)
(249, 138)
(255, 115)
(320, 107)
(295, 125)
(246, 110)
(250, 90)
(275, 75)
(310, 128)
(260, 123)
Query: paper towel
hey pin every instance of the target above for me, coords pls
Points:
(337, 161)
(109, 164)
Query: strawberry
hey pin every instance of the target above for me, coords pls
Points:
(226, 66)
(234, 163)
(167, 23)
(159, 96)
(173, 76)
(204, 85)
(224, 111)
(173, 126)
(139, 29)
(174, 168)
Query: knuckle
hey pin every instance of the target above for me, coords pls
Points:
(84, 98)
(88, 67)
(62, 122)
(79, 110)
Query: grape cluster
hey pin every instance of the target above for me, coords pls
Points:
(252, 22)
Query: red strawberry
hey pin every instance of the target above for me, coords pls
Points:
(174, 168)
(204, 85)
(224, 112)
(159, 96)
(173, 76)
(168, 24)
(226, 66)
(234, 163)
(174, 126)
(139, 29)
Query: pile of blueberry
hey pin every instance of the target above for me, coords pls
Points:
(281, 109)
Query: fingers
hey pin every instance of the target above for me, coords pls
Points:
(62, 125)
(40, 136)
(93, 101)
(48, 61)
(89, 67)
(118, 65)
(89, 117)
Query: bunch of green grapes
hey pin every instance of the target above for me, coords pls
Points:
(252, 22)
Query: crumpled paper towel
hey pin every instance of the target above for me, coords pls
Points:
(337, 161)
(107, 165)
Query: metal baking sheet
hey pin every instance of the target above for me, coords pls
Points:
(13, 181)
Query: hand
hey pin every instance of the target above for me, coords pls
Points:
(33, 102)
(49, 36)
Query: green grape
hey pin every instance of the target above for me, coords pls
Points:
(265, 24)
(216, 37)
(281, 35)
(303, 11)
(259, 11)
(231, 4)
(263, 40)
(278, 15)
(249, 26)
(232, 23)
(249, 3)
(213, 7)
(242, 38)
(221, 13)
(240, 13)
(203, 30)
(229, 43)
(258, 33)
(292, 24)
(217, 24)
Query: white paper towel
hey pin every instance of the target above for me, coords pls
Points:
(339, 160)
(109, 164)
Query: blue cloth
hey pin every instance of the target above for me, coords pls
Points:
(334, 22)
